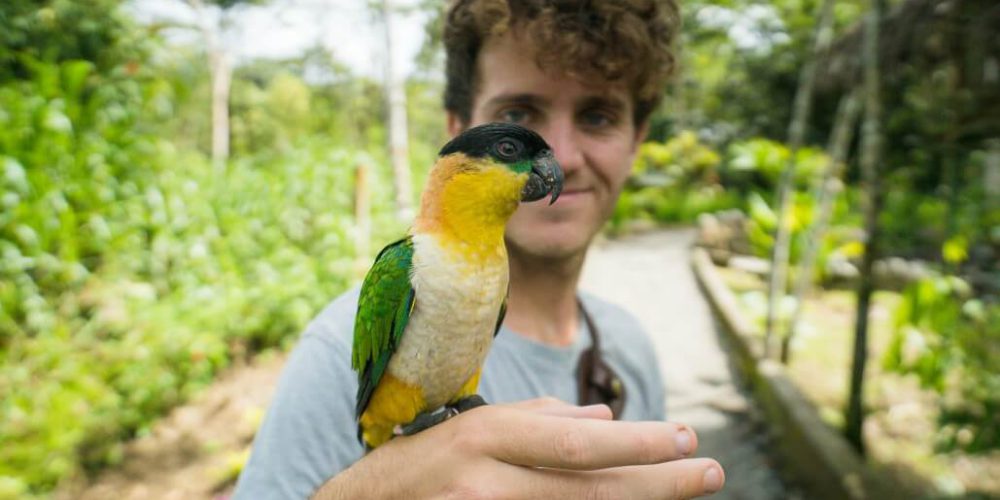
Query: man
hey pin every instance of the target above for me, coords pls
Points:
(586, 76)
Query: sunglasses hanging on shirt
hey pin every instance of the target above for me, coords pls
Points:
(597, 382)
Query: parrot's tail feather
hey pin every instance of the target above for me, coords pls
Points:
(375, 436)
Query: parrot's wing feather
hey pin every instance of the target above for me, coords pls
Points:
(384, 309)
(503, 312)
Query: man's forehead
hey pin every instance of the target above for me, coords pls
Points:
(508, 71)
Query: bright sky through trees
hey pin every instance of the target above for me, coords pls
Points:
(286, 28)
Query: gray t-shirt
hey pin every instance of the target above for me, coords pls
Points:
(309, 433)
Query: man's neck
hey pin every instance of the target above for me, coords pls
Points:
(542, 304)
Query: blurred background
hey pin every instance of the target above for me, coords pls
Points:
(184, 183)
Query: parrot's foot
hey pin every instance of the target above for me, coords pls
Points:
(469, 402)
(425, 421)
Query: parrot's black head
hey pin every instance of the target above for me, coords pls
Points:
(520, 149)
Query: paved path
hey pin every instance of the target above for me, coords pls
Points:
(650, 275)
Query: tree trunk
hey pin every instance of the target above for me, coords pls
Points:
(679, 94)
(395, 91)
(796, 134)
(222, 74)
(362, 218)
(991, 172)
(829, 187)
(871, 157)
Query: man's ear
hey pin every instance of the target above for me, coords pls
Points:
(455, 124)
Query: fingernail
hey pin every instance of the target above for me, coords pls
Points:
(683, 442)
(712, 481)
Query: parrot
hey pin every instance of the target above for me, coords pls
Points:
(432, 302)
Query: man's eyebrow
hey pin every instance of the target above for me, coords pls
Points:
(600, 101)
(522, 98)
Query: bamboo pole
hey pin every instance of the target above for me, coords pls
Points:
(796, 136)
(829, 187)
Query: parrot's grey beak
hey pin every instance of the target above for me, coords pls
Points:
(546, 178)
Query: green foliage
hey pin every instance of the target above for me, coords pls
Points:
(270, 118)
(950, 340)
(756, 165)
(131, 271)
(674, 181)
(58, 30)
(669, 206)
(681, 160)
(127, 286)
(956, 249)
(741, 62)
(763, 221)
(760, 162)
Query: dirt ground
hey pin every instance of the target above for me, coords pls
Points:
(198, 449)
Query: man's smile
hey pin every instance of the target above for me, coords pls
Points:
(577, 191)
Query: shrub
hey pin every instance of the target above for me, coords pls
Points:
(950, 341)
(132, 273)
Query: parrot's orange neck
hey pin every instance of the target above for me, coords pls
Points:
(467, 205)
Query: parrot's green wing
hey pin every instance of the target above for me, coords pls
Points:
(383, 310)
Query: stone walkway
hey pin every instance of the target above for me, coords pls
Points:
(650, 275)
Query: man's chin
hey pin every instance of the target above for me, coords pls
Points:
(552, 244)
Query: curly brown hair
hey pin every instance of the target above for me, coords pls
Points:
(612, 40)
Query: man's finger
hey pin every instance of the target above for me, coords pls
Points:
(536, 440)
(559, 408)
(599, 411)
(680, 479)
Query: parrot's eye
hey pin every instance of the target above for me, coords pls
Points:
(507, 149)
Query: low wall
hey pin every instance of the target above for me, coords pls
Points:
(818, 458)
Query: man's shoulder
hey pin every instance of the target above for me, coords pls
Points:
(622, 326)
(335, 323)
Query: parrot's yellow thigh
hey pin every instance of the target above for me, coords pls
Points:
(470, 387)
(394, 402)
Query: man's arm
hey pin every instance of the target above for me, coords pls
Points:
(535, 449)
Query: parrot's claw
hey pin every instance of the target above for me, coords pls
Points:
(469, 402)
(425, 421)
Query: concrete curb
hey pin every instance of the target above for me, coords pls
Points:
(816, 456)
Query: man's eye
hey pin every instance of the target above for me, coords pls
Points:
(514, 115)
(596, 119)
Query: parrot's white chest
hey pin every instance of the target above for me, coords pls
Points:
(454, 317)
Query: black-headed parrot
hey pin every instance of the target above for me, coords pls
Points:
(433, 301)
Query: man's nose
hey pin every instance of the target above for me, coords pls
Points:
(562, 137)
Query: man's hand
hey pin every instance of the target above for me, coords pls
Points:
(542, 448)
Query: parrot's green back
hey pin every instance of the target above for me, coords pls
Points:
(383, 311)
